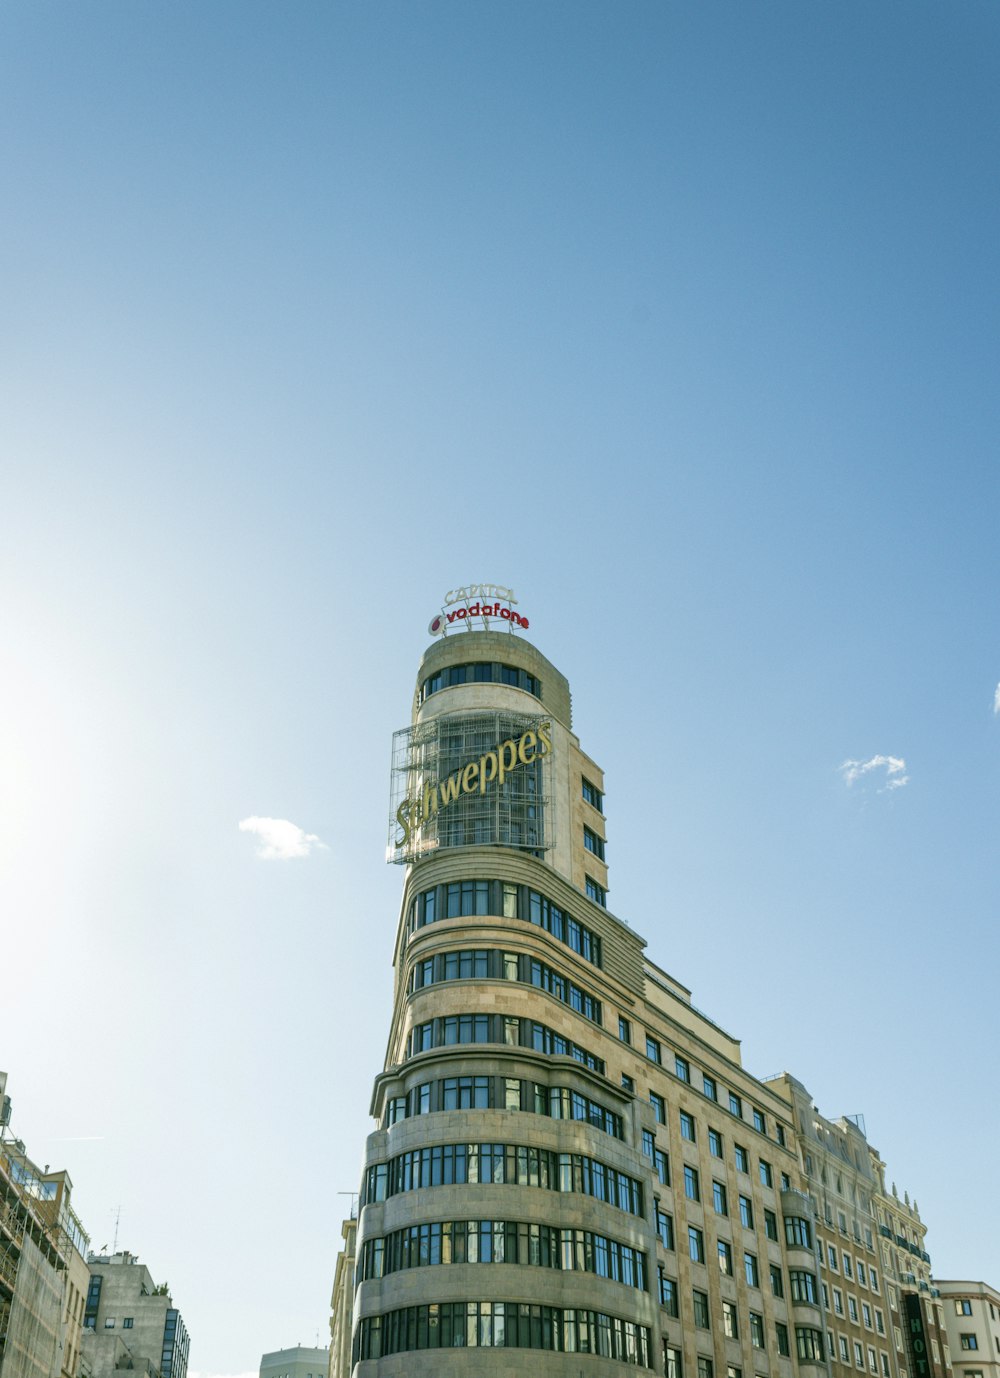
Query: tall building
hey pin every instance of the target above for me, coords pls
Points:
(130, 1322)
(571, 1163)
(298, 1362)
(43, 1274)
(972, 1321)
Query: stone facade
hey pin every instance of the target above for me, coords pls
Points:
(573, 1172)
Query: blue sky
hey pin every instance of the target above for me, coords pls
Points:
(681, 319)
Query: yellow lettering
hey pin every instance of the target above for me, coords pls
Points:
(402, 813)
(544, 740)
(469, 777)
(526, 744)
(489, 759)
(450, 788)
(506, 747)
(430, 801)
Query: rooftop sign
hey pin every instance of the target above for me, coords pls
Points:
(464, 607)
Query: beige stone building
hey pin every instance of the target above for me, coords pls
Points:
(573, 1172)
(972, 1322)
(43, 1272)
(299, 1361)
(130, 1321)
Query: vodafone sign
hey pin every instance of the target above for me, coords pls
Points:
(462, 607)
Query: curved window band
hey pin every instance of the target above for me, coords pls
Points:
(494, 964)
(502, 1325)
(526, 1243)
(506, 1030)
(462, 1164)
(480, 672)
(502, 1093)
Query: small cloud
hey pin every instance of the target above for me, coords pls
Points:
(894, 767)
(996, 699)
(205, 1373)
(279, 840)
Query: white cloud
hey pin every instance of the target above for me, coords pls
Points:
(996, 700)
(894, 766)
(204, 1373)
(279, 840)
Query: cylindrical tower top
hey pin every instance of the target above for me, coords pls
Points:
(486, 656)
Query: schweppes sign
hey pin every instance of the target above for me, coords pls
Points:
(476, 777)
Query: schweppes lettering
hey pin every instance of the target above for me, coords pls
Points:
(473, 778)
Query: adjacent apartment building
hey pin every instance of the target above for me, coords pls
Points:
(130, 1322)
(572, 1170)
(43, 1273)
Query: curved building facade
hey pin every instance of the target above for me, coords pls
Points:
(572, 1172)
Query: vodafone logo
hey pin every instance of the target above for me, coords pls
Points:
(491, 601)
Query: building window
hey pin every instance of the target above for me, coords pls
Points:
(809, 1343)
(127, 1322)
(593, 795)
(628, 1084)
(759, 1122)
(725, 1258)
(729, 1322)
(719, 1199)
(852, 1308)
(780, 1134)
(659, 1107)
(715, 1143)
(696, 1246)
(596, 892)
(624, 1029)
(687, 1126)
(665, 1228)
(838, 1301)
(803, 1286)
(735, 1105)
(798, 1233)
(593, 843)
(777, 1285)
(109, 1323)
(682, 1068)
(756, 1330)
(691, 1188)
(866, 1315)
(766, 1177)
(653, 1050)
(672, 1364)
(746, 1212)
(668, 1295)
(781, 1335)
(963, 1307)
(845, 1353)
(968, 1341)
(831, 1254)
(661, 1166)
(742, 1160)
(710, 1088)
(701, 1310)
(848, 1271)
(704, 1367)
(771, 1225)
(750, 1270)
(648, 1143)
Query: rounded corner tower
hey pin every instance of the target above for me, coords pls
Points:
(504, 1198)
(572, 1173)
